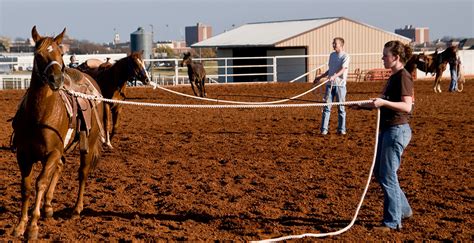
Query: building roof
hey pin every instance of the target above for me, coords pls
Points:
(263, 33)
(267, 34)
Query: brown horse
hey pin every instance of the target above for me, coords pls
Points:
(112, 79)
(432, 63)
(45, 127)
(196, 74)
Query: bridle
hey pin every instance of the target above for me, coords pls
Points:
(142, 73)
(44, 76)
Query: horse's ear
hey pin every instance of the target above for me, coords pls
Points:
(59, 38)
(34, 34)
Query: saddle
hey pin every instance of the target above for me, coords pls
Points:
(427, 62)
(94, 67)
(80, 111)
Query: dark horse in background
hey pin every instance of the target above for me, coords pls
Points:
(432, 63)
(196, 74)
(112, 79)
(47, 124)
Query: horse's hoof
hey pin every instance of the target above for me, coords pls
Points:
(32, 233)
(19, 231)
(75, 216)
(48, 213)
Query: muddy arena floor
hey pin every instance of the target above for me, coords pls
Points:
(252, 174)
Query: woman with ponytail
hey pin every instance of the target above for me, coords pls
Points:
(396, 104)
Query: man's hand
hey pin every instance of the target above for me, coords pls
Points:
(316, 80)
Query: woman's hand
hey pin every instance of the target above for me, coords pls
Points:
(378, 102)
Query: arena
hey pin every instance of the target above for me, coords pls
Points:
(253, 174)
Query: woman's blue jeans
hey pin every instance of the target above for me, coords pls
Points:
(392, 142)
(334, 94)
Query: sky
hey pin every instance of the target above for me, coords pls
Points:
(98, 20)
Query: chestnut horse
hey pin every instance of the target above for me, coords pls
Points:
(44, 129)
(112, 79)
(432, 63)
(196, 74)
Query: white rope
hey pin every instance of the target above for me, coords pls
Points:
(98, 98)
(240, 102)
(305, 74)
(289, 237)
(93, 97)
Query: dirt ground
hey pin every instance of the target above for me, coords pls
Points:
(254, 174)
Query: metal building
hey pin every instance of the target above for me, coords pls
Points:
(140, 40)
(301, 37)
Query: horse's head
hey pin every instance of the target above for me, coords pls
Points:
(137, 65)
(48, 60)
(186, 59)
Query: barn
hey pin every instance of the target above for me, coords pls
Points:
(293, 38)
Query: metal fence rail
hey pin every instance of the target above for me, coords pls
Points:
(300, 68)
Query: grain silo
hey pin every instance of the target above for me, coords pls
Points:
(142, 40)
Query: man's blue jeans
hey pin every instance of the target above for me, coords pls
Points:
(453, 86)
(392, 142)
(334, 94)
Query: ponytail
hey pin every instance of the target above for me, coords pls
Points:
(397, 48)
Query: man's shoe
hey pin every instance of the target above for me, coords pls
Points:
(409, 215)
(324, 132)
(383, 229)
(341, 132)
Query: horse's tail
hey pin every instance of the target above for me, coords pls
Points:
(97, 146)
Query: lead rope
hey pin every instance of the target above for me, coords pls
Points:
(289, 237)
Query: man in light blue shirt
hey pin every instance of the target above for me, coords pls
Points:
(336, 87)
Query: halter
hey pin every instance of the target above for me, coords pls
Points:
(44, 76)
(142, 72)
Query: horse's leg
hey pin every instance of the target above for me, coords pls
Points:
(116, 110)
(204, 86)
(436, 81)
(43, 181)
(107, 111)
(47, 207)
(192, 85)
(84, 169)
(203, 89)
(439, 74)
(199, 87)
(26, 192)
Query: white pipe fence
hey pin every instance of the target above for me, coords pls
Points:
(289, 68)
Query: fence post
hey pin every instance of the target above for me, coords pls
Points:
(274, 69)
(176, 72)
(225, 68)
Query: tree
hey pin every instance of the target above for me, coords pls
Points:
(165, 49)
